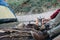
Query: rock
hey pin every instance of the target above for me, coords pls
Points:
(21, 25)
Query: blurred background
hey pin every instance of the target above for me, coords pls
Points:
(23, 7)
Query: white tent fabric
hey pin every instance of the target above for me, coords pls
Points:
(5, 13)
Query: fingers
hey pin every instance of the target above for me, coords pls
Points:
(44, 21)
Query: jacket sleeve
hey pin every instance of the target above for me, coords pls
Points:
(55, 14)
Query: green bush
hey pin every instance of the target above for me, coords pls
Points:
(17, 5)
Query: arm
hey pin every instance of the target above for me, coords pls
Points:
(52, 16)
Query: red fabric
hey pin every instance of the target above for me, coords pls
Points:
(55, 14)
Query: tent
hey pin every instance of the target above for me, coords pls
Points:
(2, 2)
(6, 15)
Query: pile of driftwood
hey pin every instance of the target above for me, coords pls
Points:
(15, 34)
(22, 32)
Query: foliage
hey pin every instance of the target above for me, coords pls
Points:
(26, 5)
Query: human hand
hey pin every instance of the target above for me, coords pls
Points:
(45, 21)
